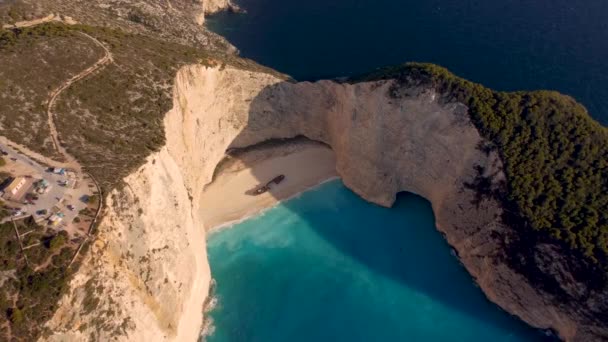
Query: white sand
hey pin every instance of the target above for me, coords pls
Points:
(304, 166)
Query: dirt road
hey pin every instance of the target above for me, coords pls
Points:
(69, 159)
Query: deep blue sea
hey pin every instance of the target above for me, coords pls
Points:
(328, 266)
(504, 44)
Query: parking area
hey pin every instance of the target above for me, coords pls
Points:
(54, 197)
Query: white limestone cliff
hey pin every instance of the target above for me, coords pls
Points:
(148, 274)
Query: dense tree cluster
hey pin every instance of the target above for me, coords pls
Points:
(555, 154)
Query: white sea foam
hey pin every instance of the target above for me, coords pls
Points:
(210, 304)
(208, 329)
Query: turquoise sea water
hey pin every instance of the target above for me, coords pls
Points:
(328, 266)
(504, 44)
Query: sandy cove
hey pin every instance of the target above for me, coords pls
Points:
(304, 164)
(148, 275)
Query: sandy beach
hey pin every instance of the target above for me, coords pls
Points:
(228, 199)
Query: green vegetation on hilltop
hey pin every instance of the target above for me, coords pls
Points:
(40, 59)
(555, 155)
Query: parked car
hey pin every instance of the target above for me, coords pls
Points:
(30, 196)
(42, 212)
(71, 207)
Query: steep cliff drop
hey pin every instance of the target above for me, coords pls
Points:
(147, 276)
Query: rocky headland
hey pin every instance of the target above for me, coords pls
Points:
(149, 273)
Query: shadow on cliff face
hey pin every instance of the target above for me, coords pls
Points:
(400, 243)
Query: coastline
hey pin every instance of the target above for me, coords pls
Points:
(305, 165)
(422, 131)
(262, 210)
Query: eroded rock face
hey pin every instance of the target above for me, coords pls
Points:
(147, 275)
(151, 259)
(383, 145)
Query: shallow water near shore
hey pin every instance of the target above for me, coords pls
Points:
(504, 44)
(328, 266)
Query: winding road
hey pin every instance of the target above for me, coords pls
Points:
(69, 159)
(106, 59)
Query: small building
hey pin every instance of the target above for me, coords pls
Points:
(15, 186)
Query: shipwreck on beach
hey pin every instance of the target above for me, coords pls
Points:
(264, 188)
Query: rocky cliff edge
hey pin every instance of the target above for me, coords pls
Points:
(147, 276)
